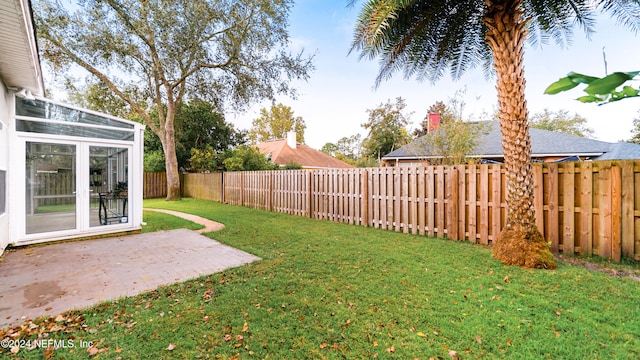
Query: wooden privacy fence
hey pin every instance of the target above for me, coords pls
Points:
(587, 208)
(154, 185)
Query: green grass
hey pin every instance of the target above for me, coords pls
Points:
(326, 290)
(55, 208)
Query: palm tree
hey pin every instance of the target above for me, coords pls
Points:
(427, 38)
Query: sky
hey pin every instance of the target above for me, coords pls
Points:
(334, 101)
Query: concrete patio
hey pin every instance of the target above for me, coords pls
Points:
(51, 279)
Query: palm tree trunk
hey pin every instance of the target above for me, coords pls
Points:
(520, 243)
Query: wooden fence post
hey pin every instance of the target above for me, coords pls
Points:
(627, 217)
(616, 205)
(364, 200)
(453, 204)
(568, 213)
(553, 206)
(308, 179)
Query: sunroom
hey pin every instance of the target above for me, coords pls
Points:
(65, 172)
(79, 170)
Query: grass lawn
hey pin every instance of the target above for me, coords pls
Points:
(326, 290)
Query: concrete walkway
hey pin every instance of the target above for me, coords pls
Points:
(209, 225)
(51, 279)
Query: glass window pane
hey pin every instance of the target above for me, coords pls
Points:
(46, 110)
(108, 173)
(70, 130)
(3, 191)
(50, 187)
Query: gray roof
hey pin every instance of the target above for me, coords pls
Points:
(544, 143)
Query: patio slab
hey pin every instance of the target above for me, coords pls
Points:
(51, 279)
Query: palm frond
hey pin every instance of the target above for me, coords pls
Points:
(626, 12)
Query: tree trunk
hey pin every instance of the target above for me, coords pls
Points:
(171, 161)
(520, 243)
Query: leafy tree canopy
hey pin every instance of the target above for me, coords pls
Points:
(635, 138)
(561, 121)
(387, 126)
(275, 123)
(248, 158)
(157, 54)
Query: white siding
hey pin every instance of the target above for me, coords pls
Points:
(6, 114)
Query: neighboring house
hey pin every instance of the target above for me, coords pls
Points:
(546, 146)
(286, 151)
(65, 172)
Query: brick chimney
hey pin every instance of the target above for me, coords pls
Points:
(434, 121)
(291, 139)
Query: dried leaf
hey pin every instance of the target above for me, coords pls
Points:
(453, 354)
(421, 334)
(239, 337)
(375, 342)
(228, 337)
(478, 340)
(92, 350)
(392, 349)
(506, 279)
(48, 352)
(171, 346)
(59, 318)
(245, 327)
(558, 313)
(323, 345)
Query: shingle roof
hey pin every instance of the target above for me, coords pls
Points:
(304, 155)
(544, 143)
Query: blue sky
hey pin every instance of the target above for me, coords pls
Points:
(334, 101)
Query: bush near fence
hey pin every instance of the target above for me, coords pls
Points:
(586, 208)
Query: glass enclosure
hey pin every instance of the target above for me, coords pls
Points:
(78, 171)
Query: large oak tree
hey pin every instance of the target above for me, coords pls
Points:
(425, 39)
(220, 51)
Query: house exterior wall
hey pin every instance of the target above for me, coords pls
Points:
(6, 114)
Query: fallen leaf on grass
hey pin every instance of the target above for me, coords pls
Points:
(93, 350)
(171, 346)
(392, 349)
(478, 340)
(453, 354)
(323, 345)
(48, 352)
(421, 334)
(228, 337)
(245, 327)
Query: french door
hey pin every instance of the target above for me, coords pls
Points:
(75, 187)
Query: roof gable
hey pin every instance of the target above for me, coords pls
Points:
(307, 157)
